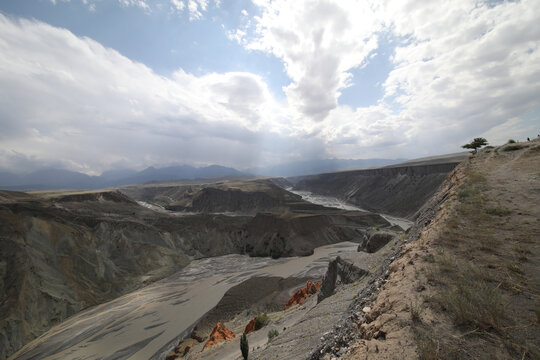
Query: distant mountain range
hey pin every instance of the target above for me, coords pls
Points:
(52, 178)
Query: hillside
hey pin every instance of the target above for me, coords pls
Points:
(398, 190)
(467, 286)
(63, 253)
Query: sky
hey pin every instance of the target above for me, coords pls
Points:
(95, 85)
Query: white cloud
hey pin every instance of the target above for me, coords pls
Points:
(137, 3)
(474, 68)
(465, 69)
(71, 100)
(177, 5)
(319, 43)
(197, 8)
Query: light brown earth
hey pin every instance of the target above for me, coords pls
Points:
(469, 287)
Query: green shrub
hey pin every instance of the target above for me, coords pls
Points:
(511, 141)
(260, 321)
(272, 334)
(244, 346)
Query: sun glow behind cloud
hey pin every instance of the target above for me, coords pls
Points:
(459, 69)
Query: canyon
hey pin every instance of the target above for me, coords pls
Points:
(69, 252)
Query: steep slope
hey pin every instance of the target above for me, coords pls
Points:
(397, 190)
(61, 255)
(247, 197)
(289, 234)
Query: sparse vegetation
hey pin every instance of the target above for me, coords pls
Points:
(481, 265)
(272, 334)
(415, 309)
(499, 211)
(513, 147)
(474, 302)
(429, 258)
(511, 141)
(429, 348)
(261, 321)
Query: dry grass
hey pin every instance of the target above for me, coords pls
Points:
(499, 211)
(513, 147)
(430, 347)
(474, 303)
(477, 273)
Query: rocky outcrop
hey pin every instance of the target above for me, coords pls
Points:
(297, 234)
(303, 294)
(257, 294)
(399, 191)
(375, 240)
(253, 326)
(250, 327)
(339, 272)
(100, 196)
(235, 200)
(220, 333)
(179, 352)
(243, 197)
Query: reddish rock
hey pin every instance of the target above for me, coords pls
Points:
(251, 325)
(220, 333)
(303, 293)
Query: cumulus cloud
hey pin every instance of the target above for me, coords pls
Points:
(461, 69)
(65, 97)
(177, 5)
(138, 3)
(319, 43)
(472, 67)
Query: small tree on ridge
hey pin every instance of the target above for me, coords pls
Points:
(475, 144)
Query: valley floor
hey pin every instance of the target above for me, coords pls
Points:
(146, 323)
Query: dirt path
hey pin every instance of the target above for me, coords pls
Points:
(468, 287)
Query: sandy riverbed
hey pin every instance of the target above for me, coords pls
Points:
(330, 201)
(146, 323)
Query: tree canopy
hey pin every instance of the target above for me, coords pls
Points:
(475, 144)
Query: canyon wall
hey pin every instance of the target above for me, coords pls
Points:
(398, 190)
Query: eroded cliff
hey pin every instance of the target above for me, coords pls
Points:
(397, 190)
